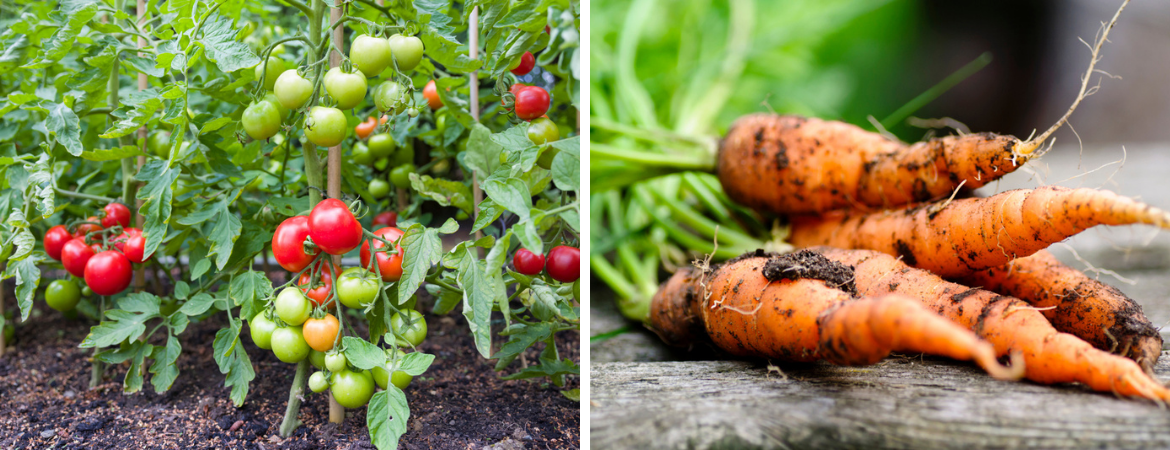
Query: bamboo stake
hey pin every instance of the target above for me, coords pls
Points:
(473, 37)
(143, 83)
(336, 411)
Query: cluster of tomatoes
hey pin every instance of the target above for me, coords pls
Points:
(380, 150)
(325, 126)
(98, 251)
(298, 326)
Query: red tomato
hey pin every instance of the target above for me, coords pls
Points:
(108, 273)
(432, 95)
(56, 238)
(532, 102)
(116, 214)
(333, 228)
(318, 292)
(288, 244)
(527, 63)
(81, 230)
(75, 254)
(389, 265)
(527, 263)
(132, 244)
(386, 219)
(564, 263)
(515, 89)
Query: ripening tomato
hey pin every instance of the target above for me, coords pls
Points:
(370, 54)
(75, 255)
(532, 102)
(334, 228)
(528, 263)
(348, 89)
(84, 229)
(319, 292)
(407, 51)
(362, 130)
(389, 265)
(564, 263)
(385, 219)
(293, 90)
(321, 333)
(108, 273)
(288, 244)
(525, 64)
(431, 93)
(56, 238)
(116, 214)
(327, 127)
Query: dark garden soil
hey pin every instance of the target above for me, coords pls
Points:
(460, 403)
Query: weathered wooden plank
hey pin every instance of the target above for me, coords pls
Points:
(899, 403)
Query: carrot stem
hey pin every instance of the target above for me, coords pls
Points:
(935, 91)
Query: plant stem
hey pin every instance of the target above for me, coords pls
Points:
(72, 194)
(678, 161)
(291, 423)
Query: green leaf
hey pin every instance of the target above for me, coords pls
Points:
(28, 277)
(289, 206)
(249, 290)
(223, 237)
(511, 193)
(572, 394)
(444, 192)
(386, 417)
(65, 125)
(562, 367)
(483, 153)
(520, 341)
(156, 206)
(416, 363)
(119, 326)
(421, 248)
(362, 354)
(219, 40)
(566, 167)
(198, 304)
(489, 211)
(478, 296)
(164, 369)
(111, 154)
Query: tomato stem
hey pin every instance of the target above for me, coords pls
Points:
(291, 423)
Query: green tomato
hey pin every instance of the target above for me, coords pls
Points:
(352, 389)
(348, 89)
(404, 155)
(317, 358)
(383, 375)
(261, 328)
(441, 167)
(381, 145)
(379, 188)
(361, 155)
(288, 344)
(357, 287)
(401, 175)
(407, 51)
(271, 98)
(389, 95)
(369, 54)
(261, 120)
(412, 335)
(542, 130)
(292, 306)
(269, 71)
(441, 122)
(382, 163)
(336, 362)
(293, 90)
(328, 126)
(9, 333)
(63, 295)
(86, 291)
(159, 143)
(318, 383)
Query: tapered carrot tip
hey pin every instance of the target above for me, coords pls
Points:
(985, 358)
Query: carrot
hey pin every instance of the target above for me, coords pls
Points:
(1007, 323)
(1076, 304)
(797, 165)
(960, 237)
(800, 307)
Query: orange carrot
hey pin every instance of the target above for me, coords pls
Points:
(1007, 323)
(957, 238)
(797, 165)
(798, 307)
(1076, 304)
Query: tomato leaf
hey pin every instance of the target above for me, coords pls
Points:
(483, 153)
(522, 337)
(249, 290)
(511, 193)
(479, 294)
(387, 417)
(362, 354)
(119, 325)
(223, 236)
(112, 153)
(566, 167)
(233, 361)
(289, 206)
(164, 369)
(66, 127)
(489, 211)
(219, 40)
(156, 206)
(443, 192)
(416, 363)
(28, 277)
(422, 248)
(198, 304)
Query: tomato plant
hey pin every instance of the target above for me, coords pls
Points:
(219, 157)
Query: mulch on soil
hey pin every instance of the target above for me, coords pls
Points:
(460, 403)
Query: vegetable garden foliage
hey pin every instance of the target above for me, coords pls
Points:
(210, 195)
